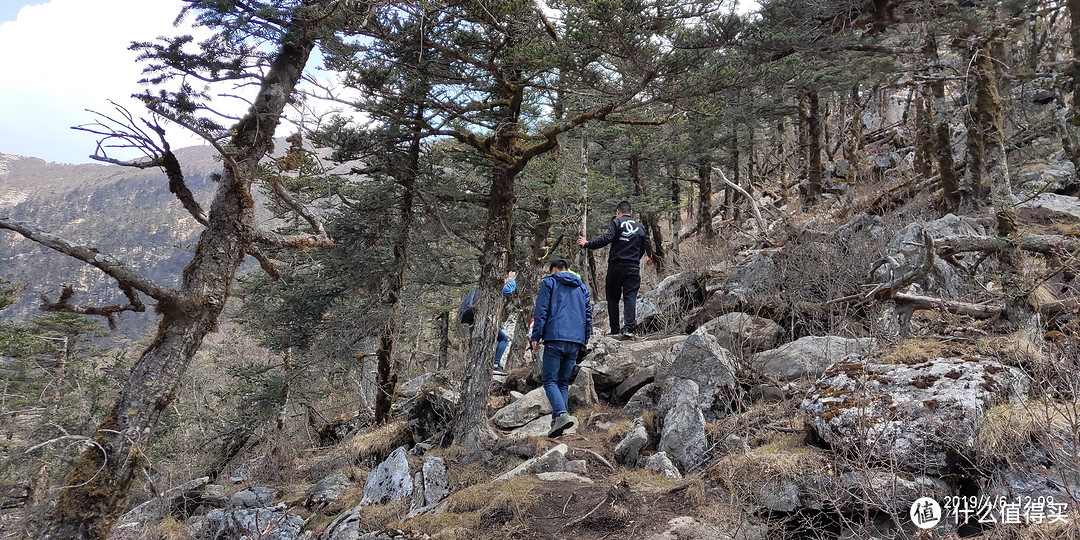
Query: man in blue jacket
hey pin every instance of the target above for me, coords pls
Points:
(563, 321)
(627, 239)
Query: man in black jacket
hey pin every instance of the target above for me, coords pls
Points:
(627, 239)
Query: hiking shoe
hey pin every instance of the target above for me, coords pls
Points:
(562, 423)
(499, 370)
(628, 336)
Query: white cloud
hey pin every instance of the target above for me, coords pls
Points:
(65, 56)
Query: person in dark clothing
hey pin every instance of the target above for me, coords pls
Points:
(627, 239)
(467, 312)
(562, 320)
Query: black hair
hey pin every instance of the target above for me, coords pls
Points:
(624, 207)
(559, 264)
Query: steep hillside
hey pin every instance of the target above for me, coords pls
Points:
(125, 212)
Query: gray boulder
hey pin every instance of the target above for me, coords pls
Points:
(132, 524)
(744, 333)
(635, 382)
(390, 481)
(687, 528)
(254, 497)
(1052, 175)
(537, 428)
(552, 461)
(734, 288)
(645, 399)
(915, 416)
(326, 491)
(436, 485)
(582, 392)
(520, 412)
(709, 365)
(430, 485)
(661, 464)
(682, 433)
(626, 452)
(808, 356)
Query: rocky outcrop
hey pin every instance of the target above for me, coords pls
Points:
(808, 357)
(914, 416)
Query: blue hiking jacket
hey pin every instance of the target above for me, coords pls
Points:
(563, 312)
(627, 239)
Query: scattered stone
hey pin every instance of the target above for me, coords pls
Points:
(626, 452)
(390, 481)
(563, 476)
(808, 357)
(661, 463)
(537, 428)
(534, 405)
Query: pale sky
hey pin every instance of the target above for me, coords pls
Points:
(61, 57)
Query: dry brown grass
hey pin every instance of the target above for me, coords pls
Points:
(1009, 426)
(488, 510)
(787, 456)
(171, 528)
(375, 445)
(914, 351)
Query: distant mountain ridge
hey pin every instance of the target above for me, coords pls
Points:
(125, 212)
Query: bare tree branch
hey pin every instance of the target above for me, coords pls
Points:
(64, 305)
(265, 263)
(290, 241)
(113, 268)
